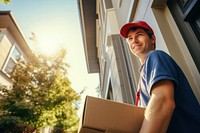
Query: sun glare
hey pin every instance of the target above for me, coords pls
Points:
(49, 44)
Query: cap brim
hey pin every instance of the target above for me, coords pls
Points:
(126, 27)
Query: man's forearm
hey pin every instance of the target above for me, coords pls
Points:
(156, 119)
(159, 110)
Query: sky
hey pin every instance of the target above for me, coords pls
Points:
(56, 24)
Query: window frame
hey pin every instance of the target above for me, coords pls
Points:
(185, 20)
(12, 57)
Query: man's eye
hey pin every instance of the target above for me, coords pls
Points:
(130, 39)
(139, 34)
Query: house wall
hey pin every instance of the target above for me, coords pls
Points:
(7, 44)
(123, 9)
(114, 75)
(5, 47)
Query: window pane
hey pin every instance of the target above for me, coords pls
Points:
(184, 2)
(10, 65)
(198, 23)
(196, 26)
(16, 54)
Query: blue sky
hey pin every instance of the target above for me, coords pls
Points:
(56, 24)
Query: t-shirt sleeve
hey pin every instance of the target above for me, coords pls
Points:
(159, 66)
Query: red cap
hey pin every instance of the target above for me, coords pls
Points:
(138, 24)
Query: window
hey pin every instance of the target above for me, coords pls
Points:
(196, 26)
(110, 92)
(15, 54)
(108, 4)
(10, 65)
(190, 10)
(12, 59)
(186, 15)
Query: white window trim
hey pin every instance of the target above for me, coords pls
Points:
(10, 56)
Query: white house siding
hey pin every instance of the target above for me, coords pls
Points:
(11, 40)
(5, 47)
(4, 80)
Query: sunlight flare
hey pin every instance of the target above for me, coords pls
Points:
(49, 44)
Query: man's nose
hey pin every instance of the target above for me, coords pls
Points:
(134, 41)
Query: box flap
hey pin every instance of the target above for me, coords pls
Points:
(111, 116)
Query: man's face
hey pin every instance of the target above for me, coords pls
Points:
(139, 42)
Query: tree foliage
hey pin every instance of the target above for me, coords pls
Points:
(5, 1)
(41, 94)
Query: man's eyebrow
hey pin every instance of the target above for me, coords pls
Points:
(129, 36)
(138, 32)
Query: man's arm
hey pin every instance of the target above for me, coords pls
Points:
(160, 108)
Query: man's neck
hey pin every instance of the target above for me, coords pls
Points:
(143, 58)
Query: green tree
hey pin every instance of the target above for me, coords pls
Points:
(5, 1)
(41, 94)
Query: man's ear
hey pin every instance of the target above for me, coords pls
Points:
(153, 39)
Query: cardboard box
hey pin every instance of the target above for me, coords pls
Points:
(105, 116)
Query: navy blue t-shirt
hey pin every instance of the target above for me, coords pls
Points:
(160, 66)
